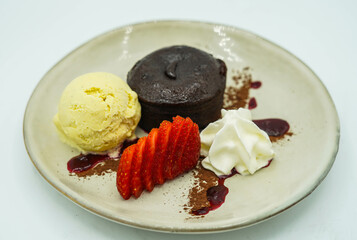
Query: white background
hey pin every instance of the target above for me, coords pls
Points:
(34, 35)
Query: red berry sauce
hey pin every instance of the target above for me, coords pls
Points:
(216, 196)
(84, 162)
(256, 84)
(252, 103)
(274, 127)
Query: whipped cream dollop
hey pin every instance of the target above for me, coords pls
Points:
(235, 141)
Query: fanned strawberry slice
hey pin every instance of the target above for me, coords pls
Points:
(161, 154)
(182, 139)
(165, 153)
(173, 146)
(124, 172)
(148, 159)
(196, 145)
(136, 180)
(191, 152)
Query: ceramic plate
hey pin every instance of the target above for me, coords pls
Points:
(290, 91)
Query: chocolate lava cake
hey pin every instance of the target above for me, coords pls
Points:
(178, 80)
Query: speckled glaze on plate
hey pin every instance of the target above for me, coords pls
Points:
(290, 91)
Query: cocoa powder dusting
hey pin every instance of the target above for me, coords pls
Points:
(237, 95)
(107, 166)
(197, 197)
(275, 139)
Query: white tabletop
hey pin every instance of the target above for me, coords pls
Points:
(34, 35)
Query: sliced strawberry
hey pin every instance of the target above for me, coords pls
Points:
(124, 172)
(148, 159)
(187, 124)
(196, 144)
(161, 151)
(191, 152)
(165, 153)
(136, 180)
(172, 147)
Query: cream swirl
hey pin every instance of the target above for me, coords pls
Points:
(235, 141)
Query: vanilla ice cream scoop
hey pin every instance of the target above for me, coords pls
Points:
(235, 142)
(97, 112)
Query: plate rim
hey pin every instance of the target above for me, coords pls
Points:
(187, 230)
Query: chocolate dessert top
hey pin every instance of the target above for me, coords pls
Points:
(178, 75)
